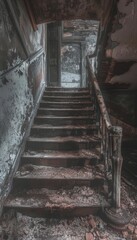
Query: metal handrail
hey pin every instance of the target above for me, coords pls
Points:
(111, 138)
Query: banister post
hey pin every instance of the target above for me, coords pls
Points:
(117, 160)
(111, 152)
(116, 216)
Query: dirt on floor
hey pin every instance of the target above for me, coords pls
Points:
(20, 227)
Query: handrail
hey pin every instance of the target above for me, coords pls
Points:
(111, 138)
(29, 60)
(99, 96)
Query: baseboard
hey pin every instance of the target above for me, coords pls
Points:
(9, 180)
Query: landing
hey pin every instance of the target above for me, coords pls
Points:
(84, 228)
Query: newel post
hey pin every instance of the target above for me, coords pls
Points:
(115, 215)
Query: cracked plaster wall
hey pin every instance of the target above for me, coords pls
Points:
(122, 48)
(20, 87)
(46, 11)
(124, 41)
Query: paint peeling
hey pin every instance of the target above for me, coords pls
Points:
(19, 87)
(47, 11)
(16, 103)
(126, 36)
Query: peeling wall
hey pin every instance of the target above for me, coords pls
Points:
(123, 41)
(19, 86)
(60, 10)
(125, 37)
(11, 49)
(57, 10)
(120, 61)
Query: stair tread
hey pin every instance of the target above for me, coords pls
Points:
(85, 138)
(67, 91)
(64, 117)
(68, 97)
(30, 171)
(68, 109)
(65, 88)
(62, 154)
(62, 198)
(47, 126)
(66, 103)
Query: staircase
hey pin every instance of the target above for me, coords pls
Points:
(60, 174)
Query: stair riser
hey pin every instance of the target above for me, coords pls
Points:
(55, 184)
(56, 212)
(58, 89)
(65, 106)
(61, 132)
(65, 93)
(65, 112)
(58, 162)
(66, 99)
(60, 122)
(60, 146)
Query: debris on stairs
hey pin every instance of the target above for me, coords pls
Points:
(60, 180)
(58, 175)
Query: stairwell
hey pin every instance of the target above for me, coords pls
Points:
(60, 174)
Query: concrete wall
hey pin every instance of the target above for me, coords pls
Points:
(22, 76)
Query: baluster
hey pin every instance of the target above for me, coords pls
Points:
(110, 152)
(103, 147)
(116, 164)
(101, 134)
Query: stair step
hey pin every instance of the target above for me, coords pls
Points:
(70, 99)
(65, 104)
(66, 112)
(67, 120)
(54, 178)
(61, 158)
(66, 93)
(65, 89)
(62, 143)
(62, 131)
(79, 201)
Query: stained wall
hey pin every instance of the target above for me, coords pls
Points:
(22, 77)
(121, 50)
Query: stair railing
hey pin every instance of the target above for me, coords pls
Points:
(111, 138)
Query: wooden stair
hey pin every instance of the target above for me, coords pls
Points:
(59, 174)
